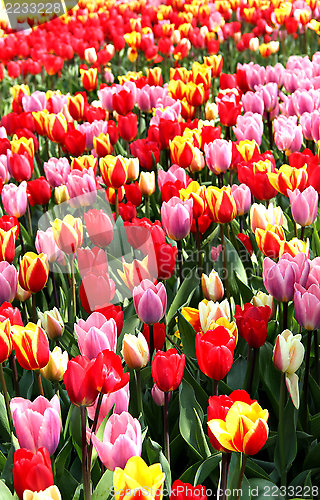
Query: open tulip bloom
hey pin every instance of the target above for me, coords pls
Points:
(160, 250)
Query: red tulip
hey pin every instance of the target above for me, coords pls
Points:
(123, 102)
(252, 323)
(81, 380)
(38, 191)
(111, 376)
(215, 350)
(99, 227)
(31, 471)
(128, 126)
(167, 369)
(159, 335)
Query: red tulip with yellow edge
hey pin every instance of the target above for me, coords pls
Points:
(102, 145)
(7, 243)
(179, 74)
(248, 149)
(114, 171)
(195, 94)
(288, 177)
(31, 346)
(181, 151)
(5, 340)
(33, 271)
(40, 121)
(269, 240)
(154, 76)
(215, 64)
(201, 74)
(222, 206)
(68, 233)
(134, 273)
(76, 106)
(177, 89)
(294, 246)
(198, 194)
(56, 127)
(187, 111)
(22, 145)
(89, 78)
(244, 429)
(84, 163)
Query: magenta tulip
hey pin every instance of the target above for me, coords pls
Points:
(150, 301)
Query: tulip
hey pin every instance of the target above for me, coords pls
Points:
(304, 205)
(280, 279)
(252, 323)
(37, 101)
(221, 204)
(255, 175)
(260, 216)
(214, 351)
(51, 493)
(218, 155)
(31, 346)
(181, 491)
(57, 365)
(56, 171)
(263, 299)
(96, 291)
(135, 351)
(288, 177)
(20, 166)
(61, 194)
(8, 282)
(111, 376)
(128, 126)
(52, 323)
(5, 340)
(114, 171)
(96, 334)
(121, 440)
(33, 272)
(242, 197)
(37, 423)
(31, 471)
(167, 369)
(287, 134)
(76, 106)
(117, 401)
(249, 126)
(84, 162)
(307, 306)
(89, 78)
(56, 127)
(68, 233)
(182, 151)
(14, 199)
(123, 102)
(13, 314)
(99, 227)
(81, 380)
(150, 301)
(38, 191)
(159, 335)
(82, 189)
(147, 183)
(244, 429)
(176, 218)
(210, 312)
(269, 240)
(133, 168)
(212, 287)
(44, 243)
(146, 482)
(229, 109)
(198, 195)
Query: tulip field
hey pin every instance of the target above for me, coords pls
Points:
(160, 250)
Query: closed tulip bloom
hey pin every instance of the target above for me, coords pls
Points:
(150, 301)
(5, 340)
(249, 126)
(110, 374)
(52, 323)
(280, 278)
(147, 482)
(102, 145)
(14, 199)
(167, 369)
(215, 350)
(147, 183)
(135, 351)
(8, 282)
(33, 272)
(89, 78)
(269, 240)
(56, 171)
(242, 196)
(31, 471)
(304, 205)
(252, 323)
(20, 166)
(114, 171)
(244, 429)
(212, 287)
(37, 423)
(96, 334)
(176, 217)
(263, 299)
(210, 312)
(44, 243)
(128, 126)
(99, 227)
(288, 177)
(288, 352)
(51, 493)
(8, 243)
(68, 233)
(31, 346)
(82, 188)
(57, 365)
(222, 206)
(121, 440)
(260, 216)
(117, 401)
(158, 396)
(61, 194)
(218, 155)
(81, 380)
(307, 306)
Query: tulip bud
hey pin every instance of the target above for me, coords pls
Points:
(158, 395)
(263, 299)
(52, 323)
(212, 287)
(56, 366)
(5, 340)
(133, 169)
(22, 295)
(135, 351)
(51, 493)
(147, 183)
(211, 111)
(90, 55)
(288, 352)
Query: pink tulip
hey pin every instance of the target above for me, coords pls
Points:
(96, 334)
(176, 217)
(8, 282)
(218, 155)
(306, 121)
(249, 127)
(307, 306)
(45, 243)
(82, 188)
(150, 301)
(314, 274)
(37, 101)
(242, 197)
(269, 95)
(4, 172)
(304, 205)
(256, 75)
(288, 135)
(14, 199)
(302, 101)
(118, 400)
(158, 395)
(56, 171)
(174, 174)
(37, 423)
(58, 102)
(290, 81)
(274, 74)
(143, 99)
(91, 130)
(215, 252)
(280, 278)
(253, 101)
(315, 126)
(122, 439)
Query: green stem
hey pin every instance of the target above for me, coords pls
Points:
(302, 232)
(316, 354)
(73, 284)
(226, 457)
(139, 392)
(251, 366)
(29, 220)
(166, 427)
(21, 239)
(6, 397)
(93, 429)
(85, 473)
(15, 378)
(224, 258)
(199, 254)
(54, 289)
(39, 382)
(180, 261)
(151, 342)
(117, 202)
(215, 387)
(243, 467)
(306, 372)
(281, 430)
(284, 315)
(34, 308)
(147, 202)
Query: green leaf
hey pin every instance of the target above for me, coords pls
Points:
(254, 470)
(156, 455)
(289, 437)
(206, 468)
(5, 493)
(312, 459)
(104, 486)
(188, 335)
(191, 419)
(262, 488)
(182, 296)
(4, 424)
(62, 457)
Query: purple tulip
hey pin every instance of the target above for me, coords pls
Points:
(242, 197)
(218, 155)
(304, 205)
(96, 334)
(8, 282)
(176, 217)
(280, 278)
(150, 301)
(37, 423)
(122, 439)
(307, 306)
